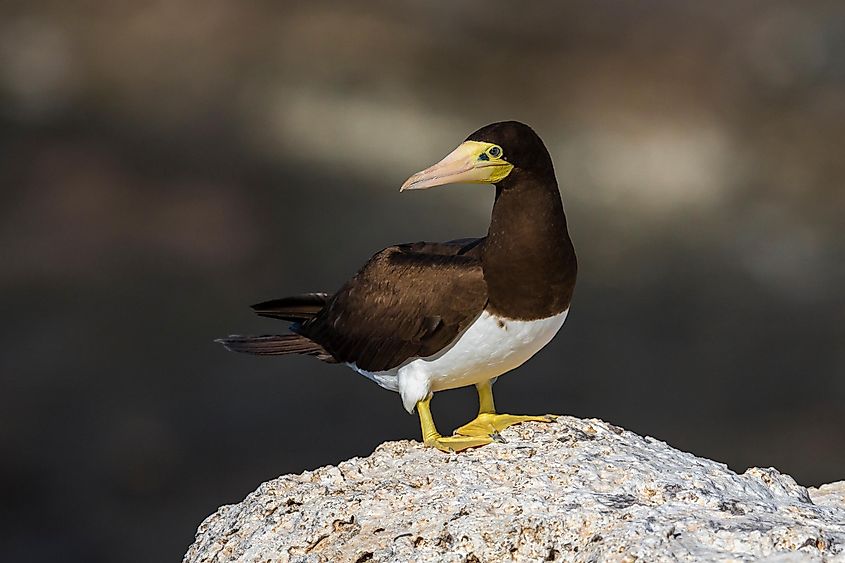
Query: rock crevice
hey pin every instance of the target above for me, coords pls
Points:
(572, 490)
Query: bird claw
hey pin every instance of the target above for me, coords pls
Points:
(450, 444)
(489, 424)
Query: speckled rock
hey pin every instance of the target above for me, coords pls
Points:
(572, 490)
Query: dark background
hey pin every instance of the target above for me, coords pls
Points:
(165, 164)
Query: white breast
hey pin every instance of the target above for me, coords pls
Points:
(488, 348)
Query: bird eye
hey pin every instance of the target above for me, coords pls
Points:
(495, 151)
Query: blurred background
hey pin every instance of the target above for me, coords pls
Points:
(165, 164)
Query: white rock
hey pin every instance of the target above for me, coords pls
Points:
(572, 490)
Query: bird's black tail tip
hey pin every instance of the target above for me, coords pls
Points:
(274, 345)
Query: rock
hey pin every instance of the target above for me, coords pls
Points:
(572, 490)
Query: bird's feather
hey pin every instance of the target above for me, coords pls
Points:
(408, 301)
(296, 308)
(274, 345)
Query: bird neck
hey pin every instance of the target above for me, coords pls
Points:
(528, 258)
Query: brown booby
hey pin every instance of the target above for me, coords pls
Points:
(425, 317)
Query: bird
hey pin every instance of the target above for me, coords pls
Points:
(424, 317)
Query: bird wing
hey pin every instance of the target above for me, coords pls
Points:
(296, 308)
(408, 301)
(459, 247)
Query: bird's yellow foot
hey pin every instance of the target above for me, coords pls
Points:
(488, 423)
(432, 438)
(456, 443)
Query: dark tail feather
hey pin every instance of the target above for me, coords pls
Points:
(298, 308)
(275, 345)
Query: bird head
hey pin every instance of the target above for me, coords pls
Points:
(487, 156)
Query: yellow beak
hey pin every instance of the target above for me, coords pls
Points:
(471, 163)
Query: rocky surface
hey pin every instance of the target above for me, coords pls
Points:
(572, 490)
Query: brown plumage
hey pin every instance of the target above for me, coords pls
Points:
(296, 308)
(414, 300)
(276, 345)
(404, 303)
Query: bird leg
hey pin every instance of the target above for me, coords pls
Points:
(448, 443)
(488, 422)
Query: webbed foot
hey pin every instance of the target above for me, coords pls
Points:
(488, 424)
(456, 443)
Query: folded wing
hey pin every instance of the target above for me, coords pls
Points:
(408, 301)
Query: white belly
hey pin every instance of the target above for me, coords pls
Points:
(487, 349)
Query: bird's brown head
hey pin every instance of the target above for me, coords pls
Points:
(492, 155)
